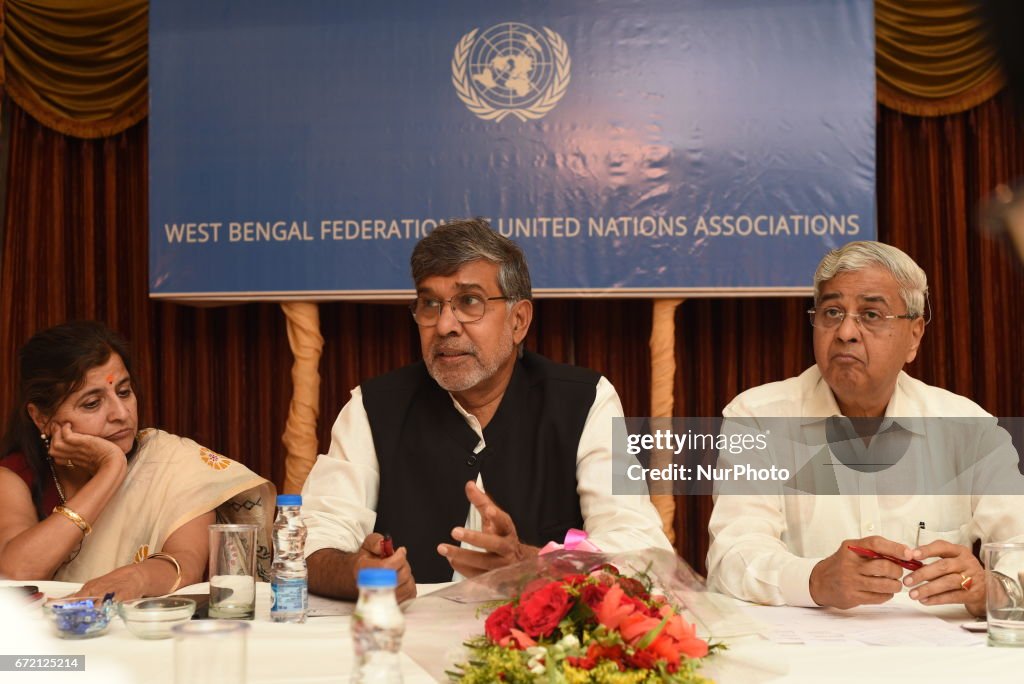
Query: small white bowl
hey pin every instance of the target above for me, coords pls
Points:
(152, 618)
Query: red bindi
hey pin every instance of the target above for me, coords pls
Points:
(110, 379)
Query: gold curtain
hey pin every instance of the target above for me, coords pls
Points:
(663, 373)
(78, 66)
(932, 57)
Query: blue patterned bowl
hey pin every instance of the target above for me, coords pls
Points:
(80, 617)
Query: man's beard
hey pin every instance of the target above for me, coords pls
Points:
(476, 371)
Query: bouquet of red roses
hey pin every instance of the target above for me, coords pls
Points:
(600, 626)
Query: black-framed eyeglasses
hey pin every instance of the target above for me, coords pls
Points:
(872, 320)
(468, 307)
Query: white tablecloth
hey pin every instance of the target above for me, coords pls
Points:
(320, 651)
(753, 659)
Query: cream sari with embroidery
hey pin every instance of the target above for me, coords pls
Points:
(171, 480)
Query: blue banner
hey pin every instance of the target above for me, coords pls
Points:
(670, 147)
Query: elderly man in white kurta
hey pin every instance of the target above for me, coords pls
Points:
(793, 549)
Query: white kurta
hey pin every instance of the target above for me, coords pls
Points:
(339, 498)
(764, 547)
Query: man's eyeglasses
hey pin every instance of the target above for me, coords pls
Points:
(467, 308)
(872, 320)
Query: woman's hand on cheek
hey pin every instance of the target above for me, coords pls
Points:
(77, 450)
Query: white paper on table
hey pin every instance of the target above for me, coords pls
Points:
(321, 606)
(886, 625)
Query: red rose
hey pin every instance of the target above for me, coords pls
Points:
(581, 663)
(499, 624)
(532, 586)
(596, 653)
(643, 660)
(592, 594)
(615, 653)
(542, 610)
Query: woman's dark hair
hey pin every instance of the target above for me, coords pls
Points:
(51, 366)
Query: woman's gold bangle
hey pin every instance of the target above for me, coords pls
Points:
(170, 559)
(75, 518)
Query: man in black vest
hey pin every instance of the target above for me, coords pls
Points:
(412, 446)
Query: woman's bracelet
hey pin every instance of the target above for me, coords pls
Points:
(170, 559)
(75, 518)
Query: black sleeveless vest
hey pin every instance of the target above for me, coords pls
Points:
(425, 451)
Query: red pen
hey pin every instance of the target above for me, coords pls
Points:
(387, 547)
(868, 553)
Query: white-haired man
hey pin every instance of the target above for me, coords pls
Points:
(868, 321)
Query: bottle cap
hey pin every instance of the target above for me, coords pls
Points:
(377, 577)
(289, 499)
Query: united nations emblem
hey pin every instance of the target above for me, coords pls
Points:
(511, 68)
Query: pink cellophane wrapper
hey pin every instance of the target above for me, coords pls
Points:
(575, 540)
(671, 575)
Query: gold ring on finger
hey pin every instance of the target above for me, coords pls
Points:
(967, 582)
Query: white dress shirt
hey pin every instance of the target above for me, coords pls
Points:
(764, 547)
(339, 498)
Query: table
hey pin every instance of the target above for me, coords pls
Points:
(753, 659)
(320, 651)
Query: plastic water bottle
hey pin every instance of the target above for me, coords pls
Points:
(288, 577)
(377, 628)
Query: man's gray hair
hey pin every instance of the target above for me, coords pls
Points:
(460, 241)
(855, 256)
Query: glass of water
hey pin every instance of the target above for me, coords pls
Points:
(1004, 596)
(210, 652)
(233, 571)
